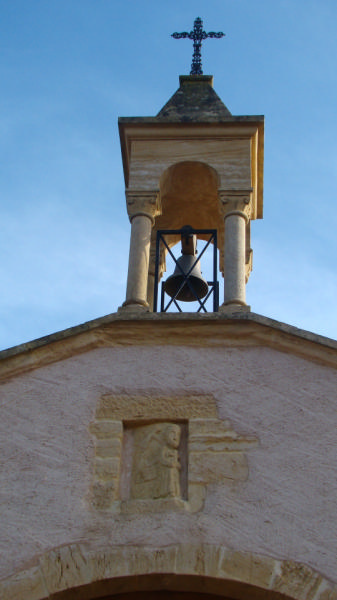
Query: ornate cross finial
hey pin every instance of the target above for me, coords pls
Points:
(197, 35)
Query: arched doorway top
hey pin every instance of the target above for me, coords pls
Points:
(77, 572)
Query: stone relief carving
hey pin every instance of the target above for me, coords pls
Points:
(160, 453)
(156, 464)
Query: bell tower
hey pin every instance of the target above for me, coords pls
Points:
(197, 165)
(174, 457)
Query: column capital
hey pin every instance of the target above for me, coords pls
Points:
(143, 202)
(236, 202)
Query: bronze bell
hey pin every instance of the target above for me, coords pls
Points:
(184, 265)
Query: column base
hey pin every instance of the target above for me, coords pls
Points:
(132, 306)
(229, 309)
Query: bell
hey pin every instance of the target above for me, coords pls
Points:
(173, 283)
(184, 265)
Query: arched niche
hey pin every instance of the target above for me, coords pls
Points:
(189, 196)
(168, 586)
(182, 588)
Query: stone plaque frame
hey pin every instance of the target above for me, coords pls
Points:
(210, 452)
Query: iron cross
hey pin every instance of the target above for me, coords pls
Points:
(197, 35)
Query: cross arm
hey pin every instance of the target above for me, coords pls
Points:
(213, 34)
(177, 36)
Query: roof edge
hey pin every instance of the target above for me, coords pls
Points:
(155, 121)
(241, 327)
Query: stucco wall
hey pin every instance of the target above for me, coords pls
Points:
(285, 509)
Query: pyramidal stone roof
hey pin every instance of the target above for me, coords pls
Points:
(196, 101)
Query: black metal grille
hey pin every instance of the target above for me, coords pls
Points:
(213, 290)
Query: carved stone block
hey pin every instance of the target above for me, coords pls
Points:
(156, 464)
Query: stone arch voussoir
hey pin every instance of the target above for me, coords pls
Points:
(76, 571)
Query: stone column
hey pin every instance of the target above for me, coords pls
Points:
(236, 208)
(143, 207)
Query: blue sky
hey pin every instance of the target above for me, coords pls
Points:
(69, 68)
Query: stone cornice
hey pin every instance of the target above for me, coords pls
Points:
(212, 329)
(143, 202)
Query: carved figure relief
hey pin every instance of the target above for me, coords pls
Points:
(160, 453)
(156, 464)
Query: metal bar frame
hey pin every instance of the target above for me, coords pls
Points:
(214, 285)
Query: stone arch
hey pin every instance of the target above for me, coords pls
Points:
(78, 572)
(189, 196)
